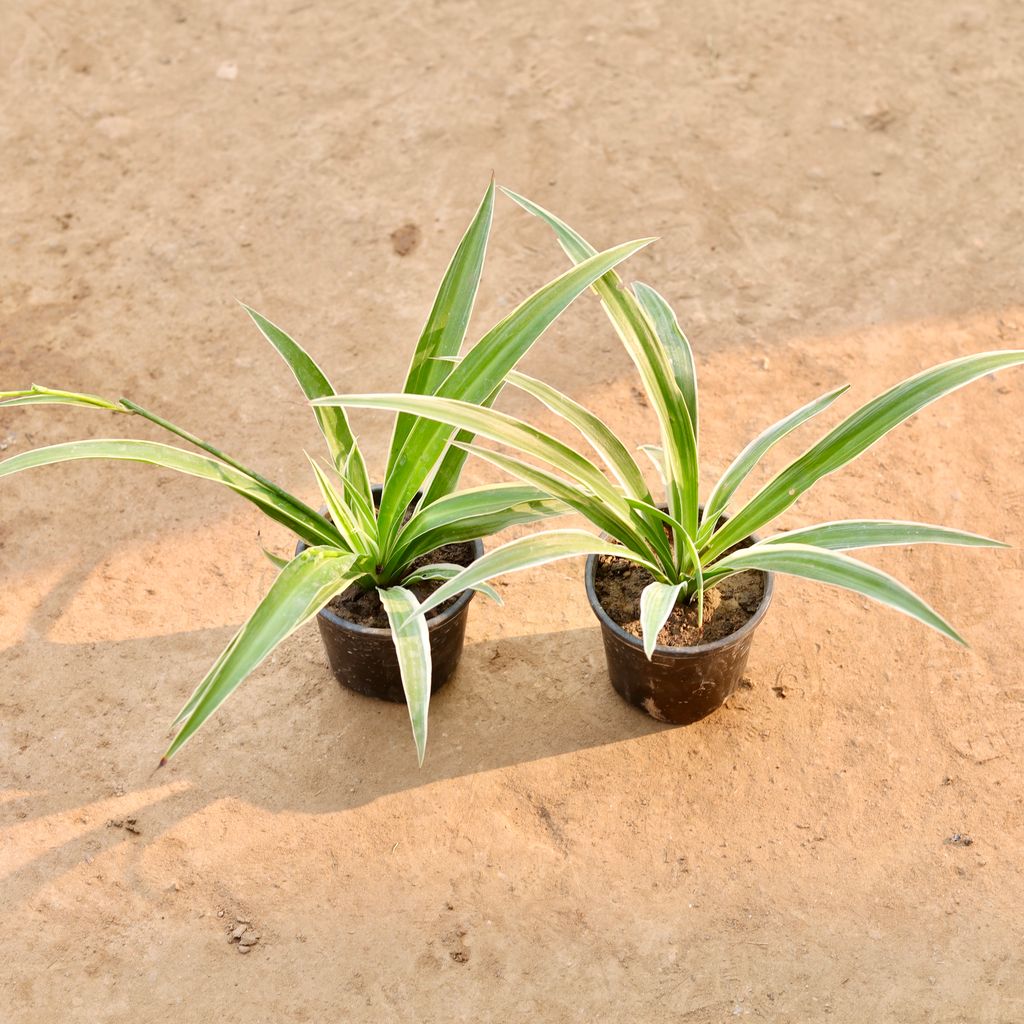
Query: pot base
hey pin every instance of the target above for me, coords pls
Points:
(670, 689)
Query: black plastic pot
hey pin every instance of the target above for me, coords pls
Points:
(679, 684)
(363, 658)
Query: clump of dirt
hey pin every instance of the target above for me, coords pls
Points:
(727, 606)
(405, 239)
(363, 607)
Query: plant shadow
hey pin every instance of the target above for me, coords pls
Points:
(292, 740)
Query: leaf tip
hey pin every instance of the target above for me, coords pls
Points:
(650, 642)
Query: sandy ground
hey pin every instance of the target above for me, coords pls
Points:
(837, 189)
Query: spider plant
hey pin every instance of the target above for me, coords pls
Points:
(688, 547)
(359, 542)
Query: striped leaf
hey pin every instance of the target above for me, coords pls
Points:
(855, 435)
(412, 645)
(310, 526)
(656, 604)
(680, 354)
(739, 469)
(497, 426)
(483, 369)
(652, 362)
(614, 453)
(525, 553)
(470, 514)
(355, 538)
(445, 328)
(314, 384)
(845, 535)
(301, 589)
(623, 529)
(445, 571)
(38, 395)
(837, 570)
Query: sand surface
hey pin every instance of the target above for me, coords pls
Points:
(837, 188)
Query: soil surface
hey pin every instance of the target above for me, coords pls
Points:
(727, 606)
(837, 190)
(364, 607)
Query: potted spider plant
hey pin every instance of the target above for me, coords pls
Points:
(680, 586)
(370, 555)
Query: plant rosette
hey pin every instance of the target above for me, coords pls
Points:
(383, 547)
(686, 560)
(677, 683)
(363, 656)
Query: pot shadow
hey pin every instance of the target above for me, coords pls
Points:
(291, 740)
(513, 700)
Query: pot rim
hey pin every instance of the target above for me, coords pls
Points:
(381, 631)
(385, 631)
(607, 622)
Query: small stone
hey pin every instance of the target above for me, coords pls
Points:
(877, 118)
(405, 239)
(237, 934)
(249, 939)
(244, 949)
(220, 913)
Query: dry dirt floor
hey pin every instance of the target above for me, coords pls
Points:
(837, 191)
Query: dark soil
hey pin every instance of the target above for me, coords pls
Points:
(363, 607)
(727, 606)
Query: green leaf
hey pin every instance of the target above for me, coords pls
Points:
(501, 427)
(362, 506)
(314, 384)
(698, 577)
(446, 477)
(482, 370)
(445, 571)
(524, 553)
(680, 355)
(473, 501)
(652, 362)
(656, 603)
(355, 538)
(580, 500)
(38, 395)
(445, 328)
(718, 500)
(837, 570)
(303, 587)
(312, 528)
(472, 528)
(275, 560)
(469, 514)
(497, 426)
(853, 436)
(412, 644)
(656, 454)
(605, 443)
(845, 535)
(673, 565)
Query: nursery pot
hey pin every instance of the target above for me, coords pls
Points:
(679, 684)
(363, 658)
